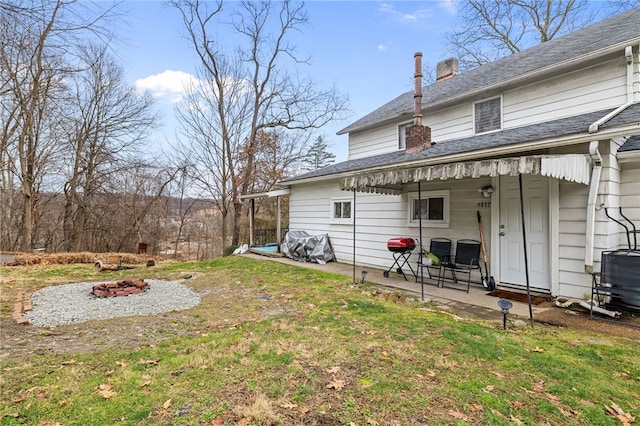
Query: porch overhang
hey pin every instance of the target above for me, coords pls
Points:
(568, 167)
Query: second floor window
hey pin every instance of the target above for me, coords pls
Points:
(487, 115)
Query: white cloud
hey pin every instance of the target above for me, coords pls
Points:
(449, 6)
(168, 86)
(416, 16)
(382, 47)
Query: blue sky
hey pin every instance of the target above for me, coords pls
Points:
(365, 48)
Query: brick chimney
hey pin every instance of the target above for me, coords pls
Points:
(446, 69)
(417, 137)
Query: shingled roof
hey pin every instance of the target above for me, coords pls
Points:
(572, 126)
(607, 35)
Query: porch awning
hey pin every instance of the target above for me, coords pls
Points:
(569, 167)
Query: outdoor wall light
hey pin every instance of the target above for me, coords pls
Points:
(504, 305)
(364, 275)
(486, 191)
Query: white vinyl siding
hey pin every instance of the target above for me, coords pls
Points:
(381, 217)
(591, 89)
(372, 142)
(573, 281)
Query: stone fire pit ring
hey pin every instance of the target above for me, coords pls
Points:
(67, 304)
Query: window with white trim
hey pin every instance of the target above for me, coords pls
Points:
(487, 115)
(402, 137)
(432, 206)
(341, 210)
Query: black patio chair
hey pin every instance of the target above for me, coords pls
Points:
(465, 260)
(441, 247)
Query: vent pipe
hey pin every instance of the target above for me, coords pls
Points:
(417, 96)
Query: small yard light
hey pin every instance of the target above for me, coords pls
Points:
(364, 275)
(504, 305)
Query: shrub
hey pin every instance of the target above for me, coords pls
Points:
(228, 251)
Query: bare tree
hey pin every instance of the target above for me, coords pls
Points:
(37, 38)
(107, 121)
(272, 95)
(492, 29)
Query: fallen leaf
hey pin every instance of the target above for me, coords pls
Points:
(105, 391)
(289, 405)
(149, 361)
(458, 415)
(618, 413)
(121, 364)
(69, 362)
(497, 374)
(167, 404)
(332, 370)
(537, 349)
(497, 413)
(475, 407)
(516, 420)
(517, 404)
(18, 400)
(336, 384)
(108, 373)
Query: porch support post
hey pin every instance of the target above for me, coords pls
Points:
(420, 242)
(278, 226)
(524, 243)
(252, 205)
(354, 235)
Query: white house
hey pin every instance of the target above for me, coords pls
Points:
(563, 116)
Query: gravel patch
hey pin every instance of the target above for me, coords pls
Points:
(74, 303)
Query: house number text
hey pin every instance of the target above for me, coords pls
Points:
(484, 204)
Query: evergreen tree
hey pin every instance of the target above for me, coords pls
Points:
(318, 156)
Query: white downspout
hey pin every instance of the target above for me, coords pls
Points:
(628, 53)
(591, 206)
(597, 165)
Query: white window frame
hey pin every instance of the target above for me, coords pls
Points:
(345, 220)
(445, 194)
(475, 107)
(402, 135)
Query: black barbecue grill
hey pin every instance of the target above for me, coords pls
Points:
(401, 249)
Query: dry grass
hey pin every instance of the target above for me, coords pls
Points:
(29, 259)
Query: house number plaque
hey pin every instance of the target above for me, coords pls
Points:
(484, 204)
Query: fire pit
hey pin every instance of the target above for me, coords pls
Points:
(120, 288)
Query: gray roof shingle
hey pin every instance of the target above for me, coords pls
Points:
(620, 29)
(632, 144)
(577, 125)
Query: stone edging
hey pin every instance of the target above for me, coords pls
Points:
(22, 305)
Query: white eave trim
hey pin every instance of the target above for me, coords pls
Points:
(568, 167)
(274, 193)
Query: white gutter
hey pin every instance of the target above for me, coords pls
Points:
(628, 53)
(597, 161)
(591, 206)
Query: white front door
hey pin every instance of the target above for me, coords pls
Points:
(536, 218)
